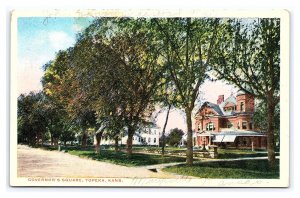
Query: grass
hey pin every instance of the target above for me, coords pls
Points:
(237, 153)
(121, 158)
(245, 169)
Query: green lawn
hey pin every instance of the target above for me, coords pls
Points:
(121, 158)
(246, 169)
(238, 153)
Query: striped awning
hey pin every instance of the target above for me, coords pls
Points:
(218, 138)
(229, 138)
(224, 138)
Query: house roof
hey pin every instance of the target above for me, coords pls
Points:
(219, 109)
(215, 107)
(233, 132)
(240, 92)
(241, 133)
(230, 99)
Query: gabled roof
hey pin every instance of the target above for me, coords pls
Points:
(230, 99)
(215, 107)
(219, 109)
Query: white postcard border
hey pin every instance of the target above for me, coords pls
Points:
(136, 182)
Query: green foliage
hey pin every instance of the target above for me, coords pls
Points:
(245, 169)
(122, 158)
(120, 68)
(187, 47)
(174, 137)
(260, 119)
(238, 153)
(248, 55)
(188, 44)
(32, 119)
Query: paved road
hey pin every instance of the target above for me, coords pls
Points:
(41, 163)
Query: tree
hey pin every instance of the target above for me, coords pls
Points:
(261, 122)
(188, 47)
(174, 137)
(119, 69)
(68, 134)
(32, 125)
(166, 97)
(67, 101)
(248, 57)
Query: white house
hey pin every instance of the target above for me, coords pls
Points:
(146, 136)
(184, 140)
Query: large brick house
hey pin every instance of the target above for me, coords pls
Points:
(229, 123)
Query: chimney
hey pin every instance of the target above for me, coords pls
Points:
(220, 99)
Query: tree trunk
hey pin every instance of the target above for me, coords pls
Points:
(189, 151)
(98, 141)
(55, 142)
(129, 140)
(270, 134)
(43, 141)
(163, 137)
(116, 144)
(84, 140)
(52, 140)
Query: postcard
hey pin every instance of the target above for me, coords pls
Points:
(149, 98)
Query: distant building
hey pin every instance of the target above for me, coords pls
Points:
(229, 123)
(146, 136)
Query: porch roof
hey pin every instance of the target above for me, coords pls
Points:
(241, 133)
(224, 138)
(232, 132)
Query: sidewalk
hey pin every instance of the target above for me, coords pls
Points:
(34, 162)
(157, 167)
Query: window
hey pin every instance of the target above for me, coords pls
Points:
(245, 141)
(154, 132)
(139, 139)
(242, 106)
(149, 140)
(210, 126)
(250, 125)
(229, 125)
(238, 125)
(154, 140)
(199, 127)
(244, 125)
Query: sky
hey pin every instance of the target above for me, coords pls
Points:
(40, 38)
